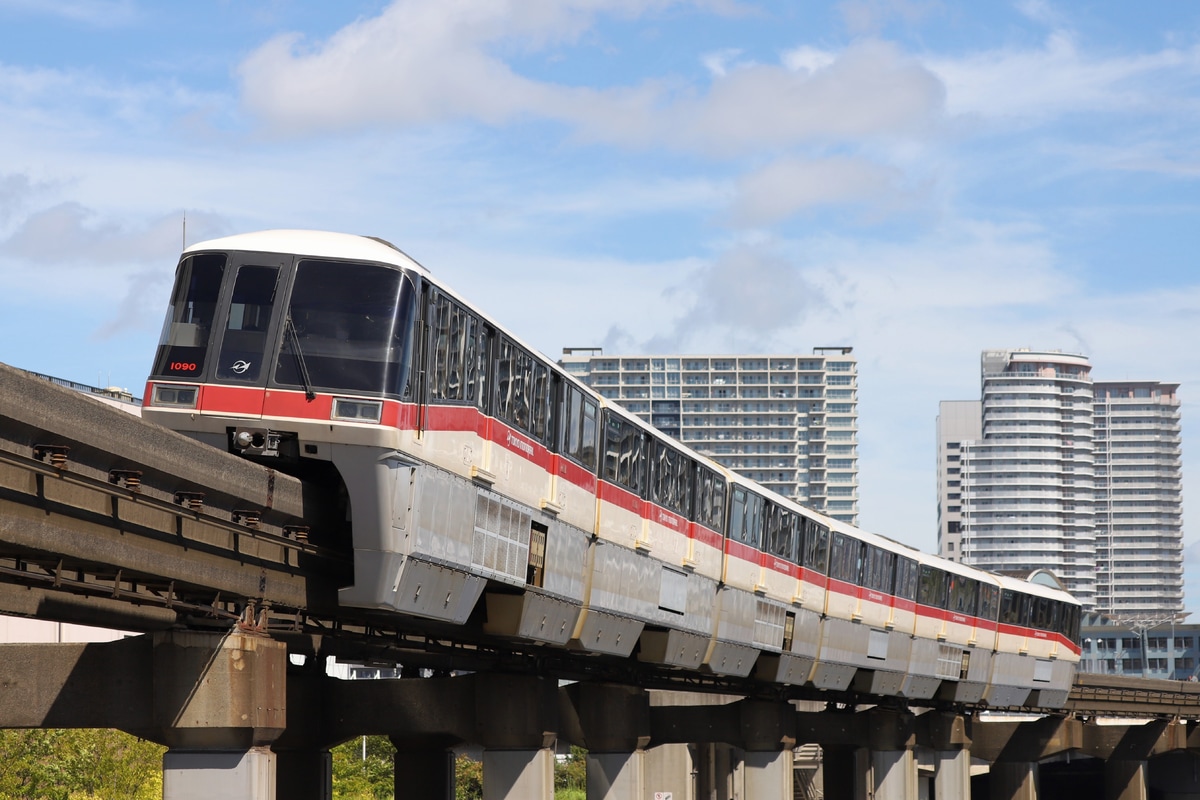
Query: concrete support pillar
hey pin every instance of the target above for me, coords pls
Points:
(518, 720)
(768, 775)
(616, 776)
(219, 702)
(518, 774)
(893, 768)
(424, 774)
(671, 768)
(952, 774)
(613, 723)
(1014, 780)
(895, 774)
(205, 774)
(304, 774)
(1125, 780)
(949, 735)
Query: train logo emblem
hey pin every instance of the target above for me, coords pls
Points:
(240, 366)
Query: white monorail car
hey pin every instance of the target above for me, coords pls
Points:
(473, 467)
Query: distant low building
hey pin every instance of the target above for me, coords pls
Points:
(1168, 650)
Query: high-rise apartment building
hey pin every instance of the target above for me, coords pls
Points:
(789, 422)
(958, 421)
(1139, 508)
(1049, 469)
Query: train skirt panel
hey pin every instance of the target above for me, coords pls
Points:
(731, 651)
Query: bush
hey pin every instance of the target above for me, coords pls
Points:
(78, 764)
(359, 778)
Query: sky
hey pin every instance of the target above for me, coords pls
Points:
(920, 180)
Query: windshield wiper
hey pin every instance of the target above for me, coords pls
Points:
(293, 337)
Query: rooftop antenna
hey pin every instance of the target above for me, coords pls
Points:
(184, 231)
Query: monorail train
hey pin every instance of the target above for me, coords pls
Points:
(474, 467)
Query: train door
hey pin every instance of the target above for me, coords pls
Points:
(249, 327)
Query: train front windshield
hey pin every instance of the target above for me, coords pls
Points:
(315, 325)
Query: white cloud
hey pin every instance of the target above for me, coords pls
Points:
(1042, 12)
(872, 90)
(717, 63)
(15, 191)
(421, 62)
(784, 187)
(869, 16)
(808, 59)
(74, 254)
(1060, 78)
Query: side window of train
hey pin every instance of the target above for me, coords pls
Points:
(879, 568)
(439, 346)
(720, 499)
(814, 552)
(745, 517)
(709, 501)
(454, 352)
(1071, 623)
(625, 454)
(931, 587)
(670, 478)
(1019, 606)
(1045, 614)
(476, 361)
(522, 391)
(989, 601)
(780, 538)
(579, 425)
(963, 594)
(539, 402)
(906, 578)
(1071, 627)
(845, 558)
(1010, 607)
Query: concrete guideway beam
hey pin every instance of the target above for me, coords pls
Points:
(177, 688)
(217, 701)
(86, 485)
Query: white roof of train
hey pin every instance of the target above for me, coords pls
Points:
(320, 244)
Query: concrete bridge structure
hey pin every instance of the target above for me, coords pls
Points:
(242, 722)
(224, 565)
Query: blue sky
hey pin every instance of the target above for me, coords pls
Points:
(921, 180)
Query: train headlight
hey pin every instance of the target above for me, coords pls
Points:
(357, 410)
(166, 394)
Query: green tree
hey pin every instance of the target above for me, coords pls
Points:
(356, 777)
(570, 775)
(468, 779)
(78, 765)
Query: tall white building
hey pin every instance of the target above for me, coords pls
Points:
(789, 422)
(958, 421)
(1051, 470)
(1139, 508)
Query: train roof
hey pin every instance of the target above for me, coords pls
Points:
(1023, 584)
(319, 244)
